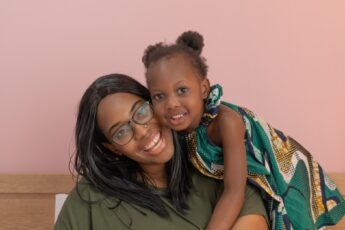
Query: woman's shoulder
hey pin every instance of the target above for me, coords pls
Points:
(84, 192)
(76, 210)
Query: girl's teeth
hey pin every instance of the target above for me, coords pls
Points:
(177, 116)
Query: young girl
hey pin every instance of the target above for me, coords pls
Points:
(229, 142)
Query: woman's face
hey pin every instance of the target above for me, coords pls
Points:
(150, 145)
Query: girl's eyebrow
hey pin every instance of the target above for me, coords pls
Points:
(159, 90)
(181, 81)
(130, 112)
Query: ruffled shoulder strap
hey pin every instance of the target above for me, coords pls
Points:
(212, 104)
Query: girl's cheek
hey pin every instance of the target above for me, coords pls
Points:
(158, 109)
(160, 116)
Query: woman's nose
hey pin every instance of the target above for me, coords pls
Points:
(140, 130)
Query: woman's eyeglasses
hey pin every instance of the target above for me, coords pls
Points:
(141, 116)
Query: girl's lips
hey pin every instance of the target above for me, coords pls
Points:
(176, 119)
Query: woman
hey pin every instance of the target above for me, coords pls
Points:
(134, 175)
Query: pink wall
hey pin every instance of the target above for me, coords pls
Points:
(284, 60)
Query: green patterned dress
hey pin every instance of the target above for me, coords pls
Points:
(297, 192)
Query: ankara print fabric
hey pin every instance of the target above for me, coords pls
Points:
(298, 194)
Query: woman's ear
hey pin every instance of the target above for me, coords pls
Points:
(205, 88)
(111, 148)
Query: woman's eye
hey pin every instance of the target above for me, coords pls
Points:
(121, 133)
(158, 97)
(142, 113)
(182, 90)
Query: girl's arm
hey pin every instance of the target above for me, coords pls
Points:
(229, 130)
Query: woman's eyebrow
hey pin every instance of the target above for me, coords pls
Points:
(135, 105)
(130, 112)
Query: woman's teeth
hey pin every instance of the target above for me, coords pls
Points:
(154, 143)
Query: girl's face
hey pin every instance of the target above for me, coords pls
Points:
(149, 144)
(177, 91)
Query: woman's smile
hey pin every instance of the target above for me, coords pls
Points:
(155, 145)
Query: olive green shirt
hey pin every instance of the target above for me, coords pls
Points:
(107, 213)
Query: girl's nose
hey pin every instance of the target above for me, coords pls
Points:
(172, 102)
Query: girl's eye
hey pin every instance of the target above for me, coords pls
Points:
(158, 97)
(182, 90)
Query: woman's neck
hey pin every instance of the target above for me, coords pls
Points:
(156, 174)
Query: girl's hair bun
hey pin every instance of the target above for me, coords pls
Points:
(191, 39)
(146, 59)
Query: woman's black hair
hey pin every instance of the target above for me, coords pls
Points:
(117, 176)
(188, 43)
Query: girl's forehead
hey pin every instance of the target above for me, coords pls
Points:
(174, 66)
(177, 59)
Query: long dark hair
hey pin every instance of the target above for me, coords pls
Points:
(117, 176)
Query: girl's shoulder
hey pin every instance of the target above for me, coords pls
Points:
(229, 116)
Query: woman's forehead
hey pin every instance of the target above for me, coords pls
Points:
(115, 108)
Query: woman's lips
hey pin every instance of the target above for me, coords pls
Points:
(156, 144)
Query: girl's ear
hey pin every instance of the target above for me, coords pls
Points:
(205, 88)
(111, 148)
